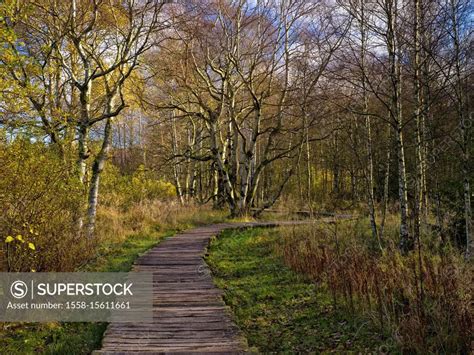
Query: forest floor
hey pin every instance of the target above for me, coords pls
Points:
(279, 310)
(112, 256)
(83, 338)
(76, 338)
(189, 314)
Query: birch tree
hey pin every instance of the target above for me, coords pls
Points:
(236, 76)
(86, 51)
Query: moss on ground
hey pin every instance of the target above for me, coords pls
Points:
(277, 309)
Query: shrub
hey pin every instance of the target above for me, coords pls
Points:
(125, 190)
(40, 202)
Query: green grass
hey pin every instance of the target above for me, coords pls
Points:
(113, 256)
(277, 309)
(77, 338)
(119, 257)
(51, 338)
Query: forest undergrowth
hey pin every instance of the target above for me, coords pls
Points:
(423, 298)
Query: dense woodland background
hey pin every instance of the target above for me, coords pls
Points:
(117, 113)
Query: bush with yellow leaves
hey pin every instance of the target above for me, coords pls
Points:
(40, 202)
(127, 190)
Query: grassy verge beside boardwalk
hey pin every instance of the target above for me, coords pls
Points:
(277, 309)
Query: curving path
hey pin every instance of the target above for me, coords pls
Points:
(189, 314)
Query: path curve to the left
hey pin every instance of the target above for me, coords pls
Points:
(189, 314)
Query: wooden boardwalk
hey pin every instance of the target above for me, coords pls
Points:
(189, 314)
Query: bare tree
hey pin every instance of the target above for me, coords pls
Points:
(236, 78)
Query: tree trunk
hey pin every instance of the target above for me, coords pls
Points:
(368, 126)
(97, 168)
(405, 240)
(385, 185)
(370, 181)
(83, 149)
(394, 54)
(308, 166)
(463, 123)
(419, 125)
(176, 165)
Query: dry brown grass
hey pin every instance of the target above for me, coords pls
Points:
(423, 299)
(114, 223)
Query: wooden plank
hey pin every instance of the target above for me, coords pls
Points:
(189, 314)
